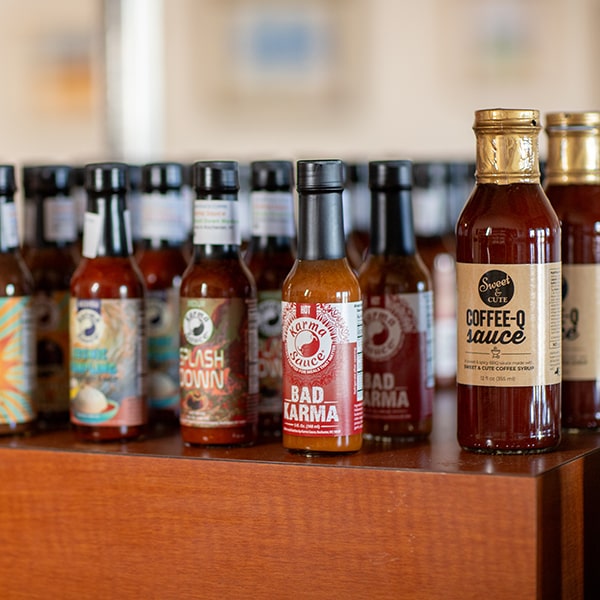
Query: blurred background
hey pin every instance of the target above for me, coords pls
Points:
(142, 80)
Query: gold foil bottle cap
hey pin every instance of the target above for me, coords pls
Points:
(507, 145)
(573, 148)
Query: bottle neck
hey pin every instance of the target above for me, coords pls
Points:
(9, 239)
(573, 156)
(507, 155)
(55, 221)
(107, 229)
(321, 226)
(217, 233)
(392, 230)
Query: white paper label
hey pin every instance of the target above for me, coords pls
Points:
(272, 214)
(60, 220)
(216, 222)
(10, 236)
(92, 223)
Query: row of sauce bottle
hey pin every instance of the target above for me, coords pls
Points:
(294, 339)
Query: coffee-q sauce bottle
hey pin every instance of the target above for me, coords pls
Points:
(509, 294)
(218, 355)
(107, 329)
(270, 256)
(398, 313)
(573, 186)
(322, 323)
(17, 329)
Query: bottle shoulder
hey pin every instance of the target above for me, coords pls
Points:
(394, 275)
(218, 278)
(107, 277)
(15, 277)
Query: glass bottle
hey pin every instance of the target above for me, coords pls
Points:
(28, 206)
(509, 294)
(322, 323)
(270, 256)
(572, 185)
(107, 329)
(219, 333)
(358, 206)
(51, 261)
(398, 313)
(161, 262)
(436, 245)
(17, 328)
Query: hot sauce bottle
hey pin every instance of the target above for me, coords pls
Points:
(509, 294)
(270, 256)
(322, 323)
(161, 261)
(218, 357)
(17, 330)
(107, 329)
(51, 261)
(397, 313)
(573, 186)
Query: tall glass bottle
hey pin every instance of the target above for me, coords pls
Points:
(322, 323)
(398, 313)
(270, 256)
(51, 261)
(359, 208)
(107, 329)
(509, 294)
(161, 261)
(219, 335)
(17, 330)
(573, 186)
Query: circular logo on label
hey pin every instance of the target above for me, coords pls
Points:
(496, 288)
(383, 334)
(269, 318)
(88, 325)
(159, 316)
(308, 345)
(197, 326)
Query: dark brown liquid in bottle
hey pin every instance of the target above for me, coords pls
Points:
(578, 208)
(508, 224)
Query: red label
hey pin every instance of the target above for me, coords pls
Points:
(322, 369)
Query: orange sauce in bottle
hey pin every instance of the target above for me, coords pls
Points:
(218, 335)
(108, 342)
(322, 323)
(508, 253)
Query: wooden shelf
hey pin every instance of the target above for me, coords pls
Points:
(156, 519)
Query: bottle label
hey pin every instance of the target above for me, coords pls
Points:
(60, 219)
(218, 362)
(398, 348)
(444, 289)
(92, 230)
(269, 351)
(108, 356)
(216, 222)
(52, 325)
(509, 324)
(272, 214)
(8, 214)
(162, 318)
(322, 369)
(17, 360)
(163, 217)
(430, 211)
(581, 322)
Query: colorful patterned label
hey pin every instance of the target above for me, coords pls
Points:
(218, 362)
(162, 318)
(17, 360)
(398, 351)
(108, 359)
(322, 369)
(52, 331)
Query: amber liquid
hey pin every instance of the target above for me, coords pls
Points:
(218, 272)
(107, 277)
(508, 224)
(15, 280)
(162, 269)
(380, 276)
(269, 262)
(326, 281)
(578, 208)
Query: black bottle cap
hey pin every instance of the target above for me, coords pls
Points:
(106, 177)
(357, 173)
(215, 176)
(162, 177)
(7, 180)
(430, 174)
(52, 179)
(321, 175)
(29, 179)
(271, 175)
(390, 175)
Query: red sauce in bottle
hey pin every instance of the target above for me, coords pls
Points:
(508, 253)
